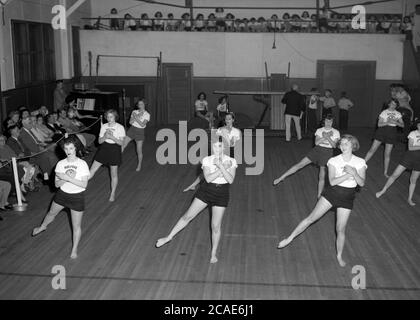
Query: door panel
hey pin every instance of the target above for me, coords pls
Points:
(178, 92)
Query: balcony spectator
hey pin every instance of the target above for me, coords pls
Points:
(305, 22)
(199, 23)
(333, 24)
(145, 22)
(230, 19)
(407, 28)
(243, 25)
(295, 23)
(129, 22)
(158, 23)
(171, 23)
(343, 26)
(114, 22)
(185, 24)
(324, 17)
(314, 23)
(261, 25)
(274, 24)
(211, 22)
(372, 24)
(220, 19)
(286, 26)
(383, 25)
(252, 25)
(395, 27)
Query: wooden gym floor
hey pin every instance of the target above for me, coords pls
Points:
(118, 260)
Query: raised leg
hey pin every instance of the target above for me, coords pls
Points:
(342, 218)
(195, 208)
(95, 166)
(126, 141)
(322, 206)
(216, 226)
(50, 216)
(76, 220)
(372, 150)
(397, 172)
(301, 164)
(413, 180)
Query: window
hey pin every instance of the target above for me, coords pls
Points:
(33, 51)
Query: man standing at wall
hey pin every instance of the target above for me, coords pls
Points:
(295, 106)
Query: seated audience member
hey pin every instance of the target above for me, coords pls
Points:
(114, 23)
(286, 26)
(24, 113)
(171, 23)
(13, 141)
(211, 22)
(383, 25)
(129, 22)
(58, 131)
(199, 23)
(261, 25)
(305, 23)
(158, 23)
(40, 130)
(145, 22)
(26, 171)
(32, 146)
(4, 195)
(69, 122)
(242, 25)
(14, 117)
(43, 111)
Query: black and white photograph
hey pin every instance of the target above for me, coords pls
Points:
(209, 155)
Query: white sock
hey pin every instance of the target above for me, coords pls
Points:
(46, 176)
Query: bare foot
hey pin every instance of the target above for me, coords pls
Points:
(283, 243)
(379, 194)
(112, 198)
(190, 188)
(162, 241)
(341, 262)
(73, 255)
(386, 175)
(138, 168)
(277, 181)
(411, 203)
(213, 260)
(38, 230)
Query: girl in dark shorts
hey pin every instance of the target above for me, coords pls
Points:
(345, 173)
(219, 172)
(138, 121)
(71, 177)
(111, 138)
(326, 139)
(411, 161)
(386, 133)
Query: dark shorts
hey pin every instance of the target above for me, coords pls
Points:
(220, 23)
(73, 201)
(411, 160)
(213, 194)
(136, 134)
(387, 135)
(340, 197)
(320, 155)
(109, 154)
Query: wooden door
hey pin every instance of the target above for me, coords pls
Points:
(178, 91)
(357, 79)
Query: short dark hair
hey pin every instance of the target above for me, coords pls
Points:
(202, 93)
(71, 139)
